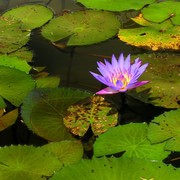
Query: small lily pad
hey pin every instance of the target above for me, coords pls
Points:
(92, 112)
(159, 12)
(131, 138)
(166, 128)
(82, 28)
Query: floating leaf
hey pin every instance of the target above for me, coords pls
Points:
(14, 85)
(164, 85)
(68, 152)
(43, 111)
(159, 12)
(166, 128)
(30, 16)
(8, 119)
(11, 36)
(114, 5)
(94, 112)
(2, 103)
(117, 169)
(131, 138)
(27, 162)
(154, 36)
(82, 28)
(14, 62)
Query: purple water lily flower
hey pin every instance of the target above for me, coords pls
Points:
(120, 75)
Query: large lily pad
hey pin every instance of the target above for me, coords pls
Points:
(30, 16)
(92, 112)
(166, 128)
(43, 111)
(82, 28)
(158, 12)
(114, 5)
(163, 74)
(117, 169)
(131, 138)
(154, 35)
(27, 162)
(15, 85)
(11, 36)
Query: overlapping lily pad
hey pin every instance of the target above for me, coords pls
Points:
(131, 138)
(159, 12)
(92, 112)
(27, 162)
(115, 5)
(43, 111)
(153, 36)
(29, 16)
(82, 28)
(163, 74)
(117, 169)
(166, 128)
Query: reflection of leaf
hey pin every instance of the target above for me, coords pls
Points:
(117, 169)
(166, 127)
(94, 112)
(27, 162)
(154, 36)
(164, 85)
(82, 28)
(158, 12)
(131, 138)
(114, 5)
(43, 111)
(8, 119)
(30, 16)
(14, 85)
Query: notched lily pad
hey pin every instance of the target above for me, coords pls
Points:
(82, 28)
(94, 112)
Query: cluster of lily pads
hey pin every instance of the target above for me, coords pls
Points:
(63, 116)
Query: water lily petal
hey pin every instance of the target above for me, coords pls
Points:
(107, 90)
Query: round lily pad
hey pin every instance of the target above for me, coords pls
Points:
(82, 28)
(159, 12)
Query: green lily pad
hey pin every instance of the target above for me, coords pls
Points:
(14, 62)
(14, 85)
(82, 28)
(27, 162)
(92, 112)
(153, 36)
(166, 128)
(30, 16)
(2, 103)
(159, 12)
(164, 85)
(43, 111)
(131, 138)
(114, 5)
(117, 169)
(68, 152)
(11, 36)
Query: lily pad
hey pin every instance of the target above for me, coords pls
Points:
(2, 103)
(114, 5)
(117, 169)
(68, 152)
(8, 119)
(166, 128)
(15, 85)
(30, 16)
(92, 112)
(82, 28)
(153, 36)
(159, 12)
(12, 37)
(43, 111)
(131, 138)
(164, 77)
(27, 162)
